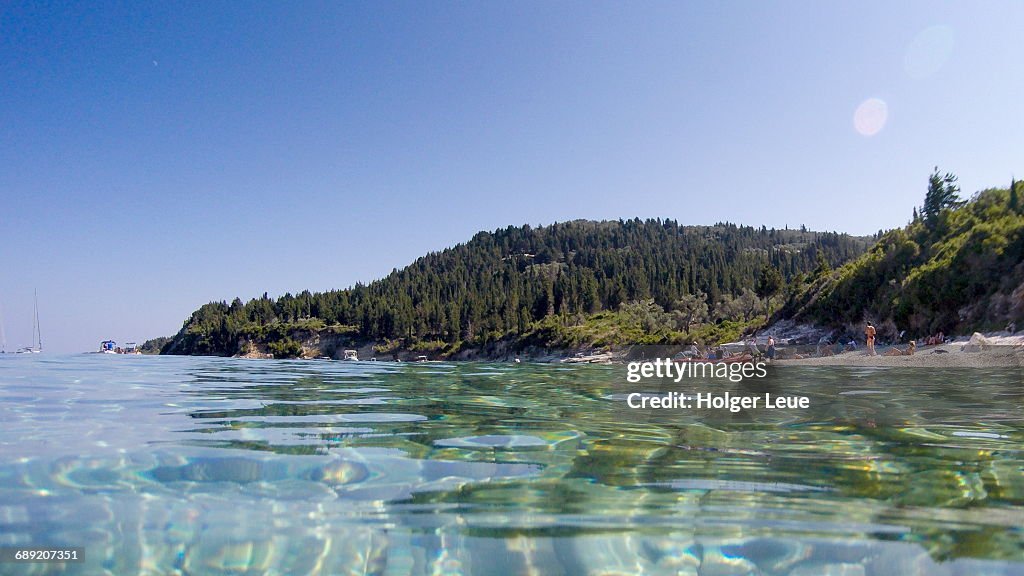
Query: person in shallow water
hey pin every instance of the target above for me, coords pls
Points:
(769, 351)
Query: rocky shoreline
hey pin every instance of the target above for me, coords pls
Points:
(799, 346)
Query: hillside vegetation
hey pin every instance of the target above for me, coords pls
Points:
(956, 268)
(568, 284)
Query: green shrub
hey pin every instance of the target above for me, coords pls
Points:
(285, 348)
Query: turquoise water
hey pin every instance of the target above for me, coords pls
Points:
(227, 466)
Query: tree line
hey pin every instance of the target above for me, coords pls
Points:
(506, 283)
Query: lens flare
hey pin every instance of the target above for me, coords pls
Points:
(928, 51)
(870, 117)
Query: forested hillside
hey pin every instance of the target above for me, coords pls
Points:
(541, 285)
(957, 267)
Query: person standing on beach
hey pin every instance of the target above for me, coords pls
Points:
(869, 335)
(752, 345)
(770, 350)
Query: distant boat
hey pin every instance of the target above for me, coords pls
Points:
(111, 347)
(351, 355)
(37, 337)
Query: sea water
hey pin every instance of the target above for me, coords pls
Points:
(165, 465)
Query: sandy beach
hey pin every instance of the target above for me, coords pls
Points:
(939, 356)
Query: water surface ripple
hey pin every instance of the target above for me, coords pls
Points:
(230, 466)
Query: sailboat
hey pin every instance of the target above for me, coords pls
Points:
(37, 337)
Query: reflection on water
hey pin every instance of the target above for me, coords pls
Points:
(222, 466)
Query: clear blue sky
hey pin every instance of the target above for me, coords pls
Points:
(158, 156)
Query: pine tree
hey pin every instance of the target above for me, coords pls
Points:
(823, 267)
(769, 282)
(943, 193)
(1014, 199)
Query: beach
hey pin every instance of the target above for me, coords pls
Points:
(953, 355)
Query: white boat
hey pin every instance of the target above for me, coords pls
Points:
(351, 355)
(37, 337)
(111, 347)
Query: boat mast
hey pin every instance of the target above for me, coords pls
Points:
(3, 335)
(36, 332)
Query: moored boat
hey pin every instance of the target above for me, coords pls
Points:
(111, 347)
(37, 337)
